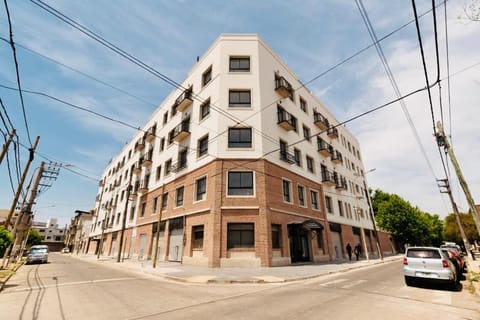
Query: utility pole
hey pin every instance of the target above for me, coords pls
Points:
(100, 243)
(157, 236)
(124, 220)
(457, 214)
(22, 180)
(442, 141)
(7, 144)
(372, 217)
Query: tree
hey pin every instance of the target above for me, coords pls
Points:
(452, 233)
(34, 238)
(5, 240)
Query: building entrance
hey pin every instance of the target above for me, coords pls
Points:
(299, 243)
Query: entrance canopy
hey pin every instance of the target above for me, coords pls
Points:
(310, 225)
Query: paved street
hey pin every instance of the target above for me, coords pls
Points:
(72, 288)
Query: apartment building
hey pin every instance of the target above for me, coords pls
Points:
(240, 166)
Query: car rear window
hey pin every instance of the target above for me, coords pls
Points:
(423, 253)
(38, 250)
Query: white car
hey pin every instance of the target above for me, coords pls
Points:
(38, 253)
(65, 250)
(422, 264)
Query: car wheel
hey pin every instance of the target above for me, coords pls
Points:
(408, 281)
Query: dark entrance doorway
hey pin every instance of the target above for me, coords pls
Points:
(299, 243)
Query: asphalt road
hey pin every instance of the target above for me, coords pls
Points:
(68, 288)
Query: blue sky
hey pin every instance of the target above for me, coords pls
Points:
(310, 36)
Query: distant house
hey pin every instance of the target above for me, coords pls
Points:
(54, 236)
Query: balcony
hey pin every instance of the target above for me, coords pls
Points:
(328, 178)
(324, 148)
(97, 198)
(320, 121)
(146, 159)
(150, 134)
(340, 183)
(179, 166)
(286, 120)
(101, 183)
(283, 87)
(140, 144)
(143, 186)
(332, 132)
(133, 193)
(287, 157)
(181, 131)
(137, 168)
(336, 157)
(184, 100)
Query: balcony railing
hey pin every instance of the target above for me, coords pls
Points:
(320, 121)
(332, 132)
(150, 134)
(140, 144)
(143, 186)
(137, 167)
(146, 159)
(286, 120)
(180, 132)
(184, 100)
(336, 157)
(179, 166)
(340, 183)
(328, 178)
(283, 87)
(287, 157)
(324, 148)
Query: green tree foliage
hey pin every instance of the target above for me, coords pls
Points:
(407, 223)
(34, 238)
(5, 240)
(452, 233)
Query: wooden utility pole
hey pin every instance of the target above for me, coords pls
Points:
(443, 142)
(157, 236)
(22, 180)
(7, 144)
(457, 214)
(124, 220)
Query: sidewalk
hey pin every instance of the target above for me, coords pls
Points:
(196, 274)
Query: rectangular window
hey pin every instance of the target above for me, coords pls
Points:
(142, 209)
(239, 98)
(164, 201)
(179, 197)
(132, 213)
(202, 147)
(303, 104)
(297, 156)
(314, 196)
(201, 189)
(340, 208)
(197, 237)
(301, 196)
(173, 111)
(286, 185)
(310, 164)
(306, 133)
(276, 232)
(155, 204)
(240, 235)
(207, 76)
(320, 240)
(239, 64)
(328, 204)
(158, 172)
(168, 166)
(165, 117)
(205, 109)
(240, 183)
(240, 137)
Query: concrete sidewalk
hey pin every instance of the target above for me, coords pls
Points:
(196, 274)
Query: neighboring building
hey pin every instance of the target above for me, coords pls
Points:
(243, 167)
(78, 232)
(53, 234)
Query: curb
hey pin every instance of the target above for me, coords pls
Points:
(15, 268)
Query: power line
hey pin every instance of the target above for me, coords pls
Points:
(12, 44)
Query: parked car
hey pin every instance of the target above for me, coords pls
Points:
(38, 253)
(65, 250)
(428, 264)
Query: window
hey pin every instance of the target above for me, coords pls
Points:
(239, 98)
(173, 111)
(132, 213)
(201, 189)
(303, 104)
(168, 166)
(240, 137)
(240, 235)
(340, 208)
(165, 117)
(301, 196)
(164, 200)
(314, 196)
(202, 147)
(286, 191)
(197, 237)
(310, 164)
(320, 240)
(158, 172)
(240, 183)
(276, 232)
(155, 203)
(162, 144)
(142, 210)
(239, 64)
(207, 76)
(306, 133)
(328, 204)
(205, 109)
(179, 197)
(297, 156)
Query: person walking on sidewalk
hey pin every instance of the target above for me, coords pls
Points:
(349, 251)
(358, 251)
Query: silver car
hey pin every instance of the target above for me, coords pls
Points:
(422, 264)
(38, 253)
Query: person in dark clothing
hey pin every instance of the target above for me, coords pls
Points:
(349, 251)
(358, 251)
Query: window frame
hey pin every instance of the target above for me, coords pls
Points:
(196, 243)
(200, 147)
(241, 186)
(310, 164)
(179, 197)
(314, 200)
(276, 234)
(301, 199)
(239, 104)
(245, 232)
(240, 144)
(239, 59)
(329, 204)
(203, 106)
(207, 76)
(202, 196)
(287, 191)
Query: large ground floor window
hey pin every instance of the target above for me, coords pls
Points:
(240, 235)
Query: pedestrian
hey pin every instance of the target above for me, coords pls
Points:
(357, 251)
(349, 251)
